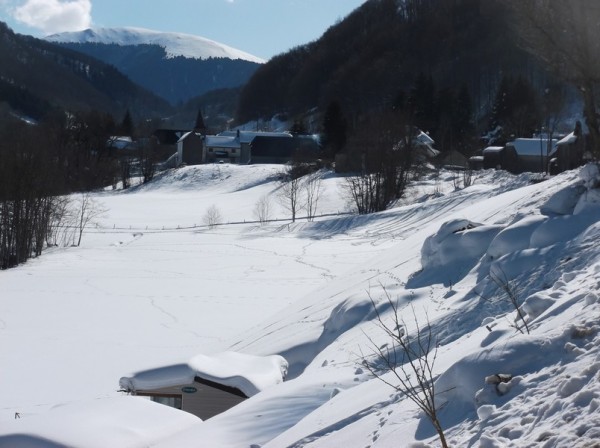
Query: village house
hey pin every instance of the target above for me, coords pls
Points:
(499, 158)
(208, 385)
(242, 147)
(569, 152)
(452, 159)
(521, 155)
(190, 149)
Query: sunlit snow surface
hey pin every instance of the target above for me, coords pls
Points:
(151, 286)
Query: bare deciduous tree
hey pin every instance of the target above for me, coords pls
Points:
(147, 158)
(212, 217)
(385, 147)
(410, 359)
(312, 190)
(290, 193)
(262, 209)
(61, 230)
(87, 211)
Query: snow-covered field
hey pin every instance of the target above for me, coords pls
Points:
(150, 285)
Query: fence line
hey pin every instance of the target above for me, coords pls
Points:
(167, 229)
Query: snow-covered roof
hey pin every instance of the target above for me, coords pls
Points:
(248, 136)
(175, 44)
(491, 149)
(424, 138)
(218, 141)
(531, 146)
(121, 142)
(571, 138)
(248, 373)
(186, 135)
(567, 140)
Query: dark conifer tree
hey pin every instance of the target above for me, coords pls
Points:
(126, 126)
(421, 102)
(299, 128)
(199, 125)
(463, 120)
(334, 130)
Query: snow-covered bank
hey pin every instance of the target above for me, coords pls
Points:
(78, 319)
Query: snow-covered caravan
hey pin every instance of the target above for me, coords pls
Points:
(190, 149)
(208, 385)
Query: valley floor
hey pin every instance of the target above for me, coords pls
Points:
(151, 285)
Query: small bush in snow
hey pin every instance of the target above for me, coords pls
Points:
(212, 217)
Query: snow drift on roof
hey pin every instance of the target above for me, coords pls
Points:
(248, 136)
(531, 146)
(248, 373)
(175, 44)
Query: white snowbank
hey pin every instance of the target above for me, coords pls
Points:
(458, 239)
(515, 237)
(107, 422)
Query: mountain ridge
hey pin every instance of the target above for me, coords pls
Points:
(177, 67)
(37, 76)
(175, 44)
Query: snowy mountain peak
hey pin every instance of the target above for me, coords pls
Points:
(175, 44)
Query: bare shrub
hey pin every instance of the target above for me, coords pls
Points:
(290, 192)
(312, 192)
(511, 294)
(86, 211)
(467, 176)
(410, 359)
(212, 217)
(262, 209)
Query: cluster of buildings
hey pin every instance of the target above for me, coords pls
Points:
(538, 154)
(244, 147)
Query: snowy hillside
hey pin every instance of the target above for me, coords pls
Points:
(175, 44)
(151, 285)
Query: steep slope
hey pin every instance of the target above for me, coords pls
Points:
(37, 76)
(377, 51)
(175, 66)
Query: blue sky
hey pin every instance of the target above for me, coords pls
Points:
(260, 27)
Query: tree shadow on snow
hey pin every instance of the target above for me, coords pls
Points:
(27, 441)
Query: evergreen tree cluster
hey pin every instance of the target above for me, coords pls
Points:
(445, 113)
(365, 60)
(516, 111)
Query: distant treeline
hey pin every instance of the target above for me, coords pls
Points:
(39, 165)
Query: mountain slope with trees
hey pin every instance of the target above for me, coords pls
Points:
(177, 67)
(37, 77)
(373, 58)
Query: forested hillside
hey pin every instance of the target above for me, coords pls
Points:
(176, 79)
(37, 77)
(375, 55)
